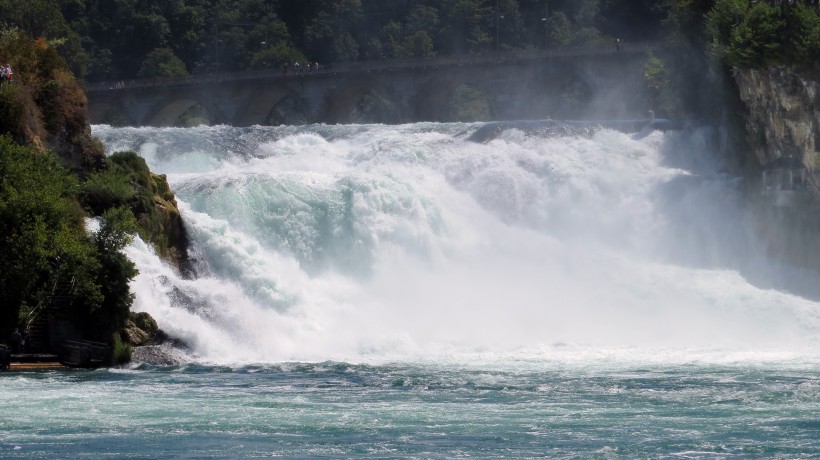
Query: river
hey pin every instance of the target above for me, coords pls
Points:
(407, 291)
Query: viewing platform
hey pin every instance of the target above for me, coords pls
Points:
(84, 354)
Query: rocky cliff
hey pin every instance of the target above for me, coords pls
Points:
(783, 118)
(783, 134)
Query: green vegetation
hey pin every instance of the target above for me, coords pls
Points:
(126, 39)
(53, 176)
(756, 34)
(46, 247)
(162, 62)
(128, 183)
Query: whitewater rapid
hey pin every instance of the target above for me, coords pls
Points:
(373, 243)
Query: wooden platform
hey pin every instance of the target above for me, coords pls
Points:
(34, 361)
(36, 366)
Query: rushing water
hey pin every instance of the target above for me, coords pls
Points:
(409, 292)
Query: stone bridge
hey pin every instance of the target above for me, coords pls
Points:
(580, 82)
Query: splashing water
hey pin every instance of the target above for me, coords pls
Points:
(376, 243)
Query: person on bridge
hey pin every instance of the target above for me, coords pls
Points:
(6, 74)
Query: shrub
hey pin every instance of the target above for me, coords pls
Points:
(275, 57)
(122, 351)
(12, 108)
(106, 189)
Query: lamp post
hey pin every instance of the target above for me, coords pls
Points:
(216, 49)
(546, 21)
(498, 16)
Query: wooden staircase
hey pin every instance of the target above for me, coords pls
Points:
(37, 329)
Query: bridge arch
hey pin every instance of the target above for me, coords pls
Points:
(364, 100)
(169, 114)
(273, 105)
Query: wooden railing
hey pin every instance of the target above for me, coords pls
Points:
(83, 353)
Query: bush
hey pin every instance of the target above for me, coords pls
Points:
(106, 189)
(275, 57)
(122, 351)
(126, 181)
(12, 109)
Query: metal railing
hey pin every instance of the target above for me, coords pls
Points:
(788, 179)
(382, 65)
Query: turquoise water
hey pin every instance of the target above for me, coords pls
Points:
(413, 411)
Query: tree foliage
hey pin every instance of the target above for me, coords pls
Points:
(162, 62)
(45, 245)
(120, 38)
(754, 34)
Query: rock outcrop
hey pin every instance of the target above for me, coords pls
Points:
(783, 132)
(783, 118)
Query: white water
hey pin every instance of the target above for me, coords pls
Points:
(376, 243)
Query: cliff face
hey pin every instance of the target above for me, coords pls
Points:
(783, 118)
(783, 132)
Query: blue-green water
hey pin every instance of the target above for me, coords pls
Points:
(413, 411)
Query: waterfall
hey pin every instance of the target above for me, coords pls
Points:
(373, 243)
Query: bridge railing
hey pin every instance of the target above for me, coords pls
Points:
(386, 65)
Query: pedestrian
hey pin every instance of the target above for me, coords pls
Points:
(617, 44)
(16, 341)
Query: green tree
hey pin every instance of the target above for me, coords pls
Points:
(42, 18)
(757, 40)
(419, 44)
(803, 35)
(162, 62)
(114, 273)
(656, 78)
(560, 29)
